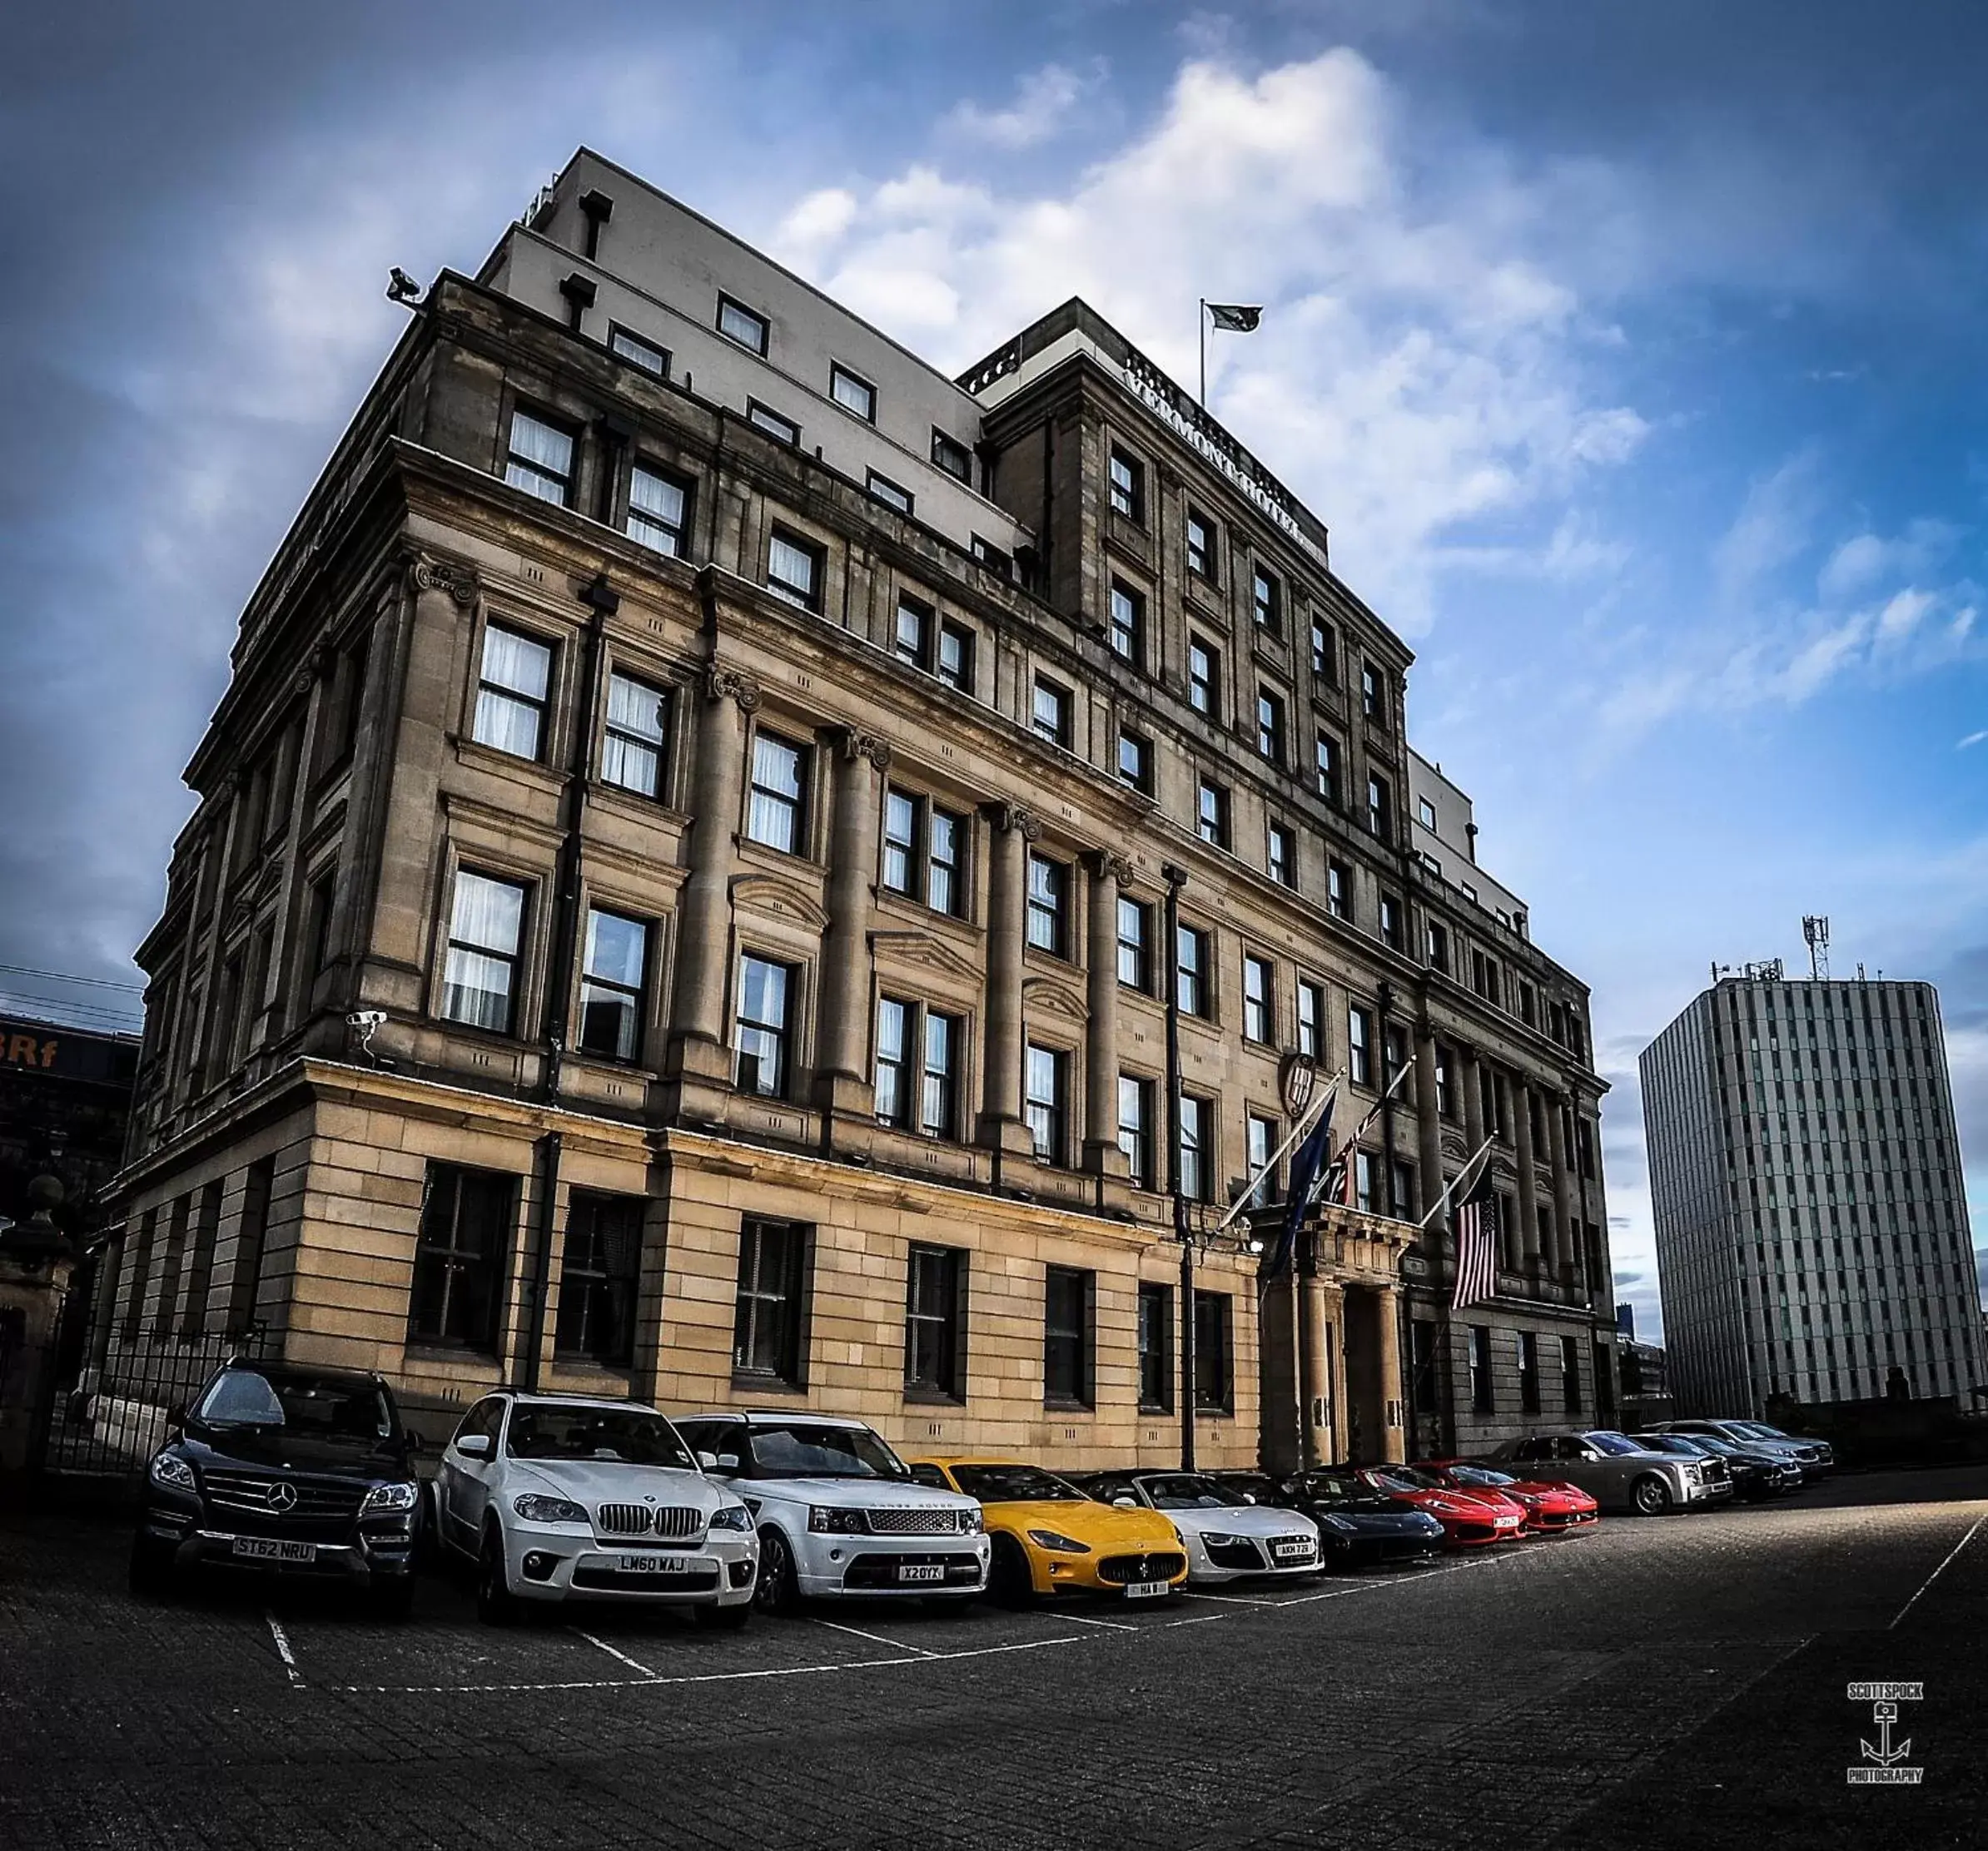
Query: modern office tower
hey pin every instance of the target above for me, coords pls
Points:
(1811, 1220)
(677, 902)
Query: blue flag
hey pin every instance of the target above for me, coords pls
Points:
(1308, 1174)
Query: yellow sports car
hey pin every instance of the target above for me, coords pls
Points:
(1049, 1538)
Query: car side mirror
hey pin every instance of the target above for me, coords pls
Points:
(1127, 1503)
(416, 1443)
(727, 1461)
(176, 1414)
(1249, 1497)
(474, 1446)
(707, 1461)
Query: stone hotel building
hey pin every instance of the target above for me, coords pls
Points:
(677, 902)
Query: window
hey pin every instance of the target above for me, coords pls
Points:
(851, 393)
(1446, 1105)
(945, 844)
(1211, 813)
(1135, 1128)
(1311, 1018)
(956, 657)
(1401, 1189)
(1191, 974)
(1380, 809)
(1257, 1024)
(1439, 945)
(611, 985)
(1324, 653)
(658, 509)
(881, 488)
(1282, 861)
(921, 851)
(1261, 1140)
(1326, 759)
(917, 1071)
(1213, 1354)
(1373, 694)
(638, 352)
(631, 750)
(1425, 813)
(914, 633)
(938, 1103)
(779, 788)
(1135, 761)
(1048, 906)
(775, 424)
(793, 570)
(1135, 943)
(1364, 1197)
(736, 322)
(1359, 1045)
(935, 1304)
(511, 691)
(1128, 485)
(461, 1256)
(893, 1092)
(598, 1278)
(1048, 1074)
(1480, 1370)
(1339, 890)
(952, 457)
(479, 979)
(1528, 1372)
(1204, 676)
(1128, 624)
(765, 1030)
(769, 1321)
(1391, 933)
(1156, 1349)
(1269, 725)
(1051, 712)
(1266, 599)
(1068, 1297)
(1197, 1115)
(1200, 545)
(540, 459)
(1570, 1375)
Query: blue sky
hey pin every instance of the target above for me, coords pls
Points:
(1631, 354)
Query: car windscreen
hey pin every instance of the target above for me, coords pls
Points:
(605, 1435)
(322, 1407)
(1334, 1490)
(814, 1449)
(1480, 1474)
(1759, 1430)
(1617, 1446)
(1407, 1478)
(1188, 1491)
(1015, 1484)
(1690, 1445)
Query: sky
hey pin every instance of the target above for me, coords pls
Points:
(1631, 353)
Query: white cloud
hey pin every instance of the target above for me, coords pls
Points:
(1044, 102)
(1972, 739)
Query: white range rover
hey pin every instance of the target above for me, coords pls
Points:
(838, 1509)
(557, 1497)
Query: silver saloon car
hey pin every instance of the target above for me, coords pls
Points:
(1612, 1468)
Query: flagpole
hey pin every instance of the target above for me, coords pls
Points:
(1303, 1123)
(1202, 330)
(1455, 1184)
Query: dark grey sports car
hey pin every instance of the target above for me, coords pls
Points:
(1358, 1525)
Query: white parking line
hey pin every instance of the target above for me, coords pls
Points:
(877, 1638)
(1378, 1587)
(611, 1652)
(1080, 1620)
(1234, 1600)
(284, 1652)
(1939, 1571)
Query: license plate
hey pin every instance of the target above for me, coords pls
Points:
(268, 1548)
(1289, 1552)
(1147, 1590)
(654, 1565)
(922, 1571)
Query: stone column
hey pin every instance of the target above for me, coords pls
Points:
(1387, 1312)
(841, 1082)
(1525, 1250)
(1428, 1133)
(1566, 1261)
(697, 1016)
(1109, 872)
(1327, 1319)
(1010, 830)
(1468, 1072)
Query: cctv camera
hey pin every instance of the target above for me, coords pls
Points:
(368, 1019)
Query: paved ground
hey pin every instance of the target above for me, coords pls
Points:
(1657, 1683)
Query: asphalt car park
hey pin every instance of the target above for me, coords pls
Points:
(1648, 1681)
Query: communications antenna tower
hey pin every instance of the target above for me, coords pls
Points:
(1815, 934)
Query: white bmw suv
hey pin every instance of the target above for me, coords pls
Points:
(554, 1496)
(838, 1509)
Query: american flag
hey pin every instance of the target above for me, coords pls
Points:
(1476, 1224)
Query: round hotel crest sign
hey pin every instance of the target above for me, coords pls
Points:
(1295, 1079)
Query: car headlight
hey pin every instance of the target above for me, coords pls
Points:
(972, 1521)
(1341, 1523)
(535, 1509)
(824, 1520)
(731, 1516)
(1055, 1540)
(1218, 1539)
(390, 1497)
(169, 1470)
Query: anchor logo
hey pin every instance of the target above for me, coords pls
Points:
(1880, 1766)
(1884, 1715)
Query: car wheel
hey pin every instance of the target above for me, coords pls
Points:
(778, 1589)
(496, 1606)
(722, 1619)
(1008, 1579)
(1650, 1495)
(152, 1566)
(394, 1601)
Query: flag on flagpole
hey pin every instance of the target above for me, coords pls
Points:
(1309, 1173)
(1475, 1222)
(1236, 318)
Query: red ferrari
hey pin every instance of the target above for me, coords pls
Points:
(1469, 1518)
(1551, 1506)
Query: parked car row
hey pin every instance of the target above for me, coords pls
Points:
(545, 1498)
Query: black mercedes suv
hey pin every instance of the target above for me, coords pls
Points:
(281, 1466)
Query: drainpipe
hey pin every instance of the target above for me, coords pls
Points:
(1176, 878)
